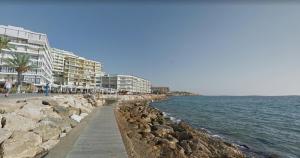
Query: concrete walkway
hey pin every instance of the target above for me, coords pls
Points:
(101, 138)
(21, 95)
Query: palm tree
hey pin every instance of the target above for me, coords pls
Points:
(4, 44)
(22, 64)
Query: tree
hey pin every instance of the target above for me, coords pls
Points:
(4, 44)
(22, 64)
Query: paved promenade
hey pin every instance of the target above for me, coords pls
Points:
(21, 95)
(100, 139)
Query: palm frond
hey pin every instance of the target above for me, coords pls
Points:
(21, 62)
(4, 44)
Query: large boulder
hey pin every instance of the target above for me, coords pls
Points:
(61, 110)
(185, 145)
(75, 117)
(9, 106)
(50, 102)
(32, 111)
(69, 100)
(50, 113)
(16, 122)
(74, 111)
(22, 145)
(47, 132)
(49, 144)
(184, 135)
(79, 103)
(84, 107)
(4, 134)
(162, 130)
(172, 141)
(64, 124)
(78, 118)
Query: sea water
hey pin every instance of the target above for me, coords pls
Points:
(263, 125)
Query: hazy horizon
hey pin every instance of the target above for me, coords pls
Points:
(207, 48)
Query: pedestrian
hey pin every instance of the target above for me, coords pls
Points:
(7, 87)
(47, 89)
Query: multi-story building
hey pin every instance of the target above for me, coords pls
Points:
(72, 70)
(160, 90)
(34, 44)
(59, 65)
(126, 83)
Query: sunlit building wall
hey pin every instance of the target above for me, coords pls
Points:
(126, 83)
(72, 70)
(34, 44)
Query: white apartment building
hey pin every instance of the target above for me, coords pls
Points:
(126, 83)
(75, 71)
(27, 42)
(59, 64)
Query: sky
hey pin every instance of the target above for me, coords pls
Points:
(207, 48)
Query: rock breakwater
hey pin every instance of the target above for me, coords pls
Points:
(31, 127)
(148, 134)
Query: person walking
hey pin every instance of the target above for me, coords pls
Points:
(7, 87)
(47, 89)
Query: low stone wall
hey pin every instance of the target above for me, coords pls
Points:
(148, 134)
(31, 127)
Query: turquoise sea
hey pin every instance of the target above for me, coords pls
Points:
(263, 126)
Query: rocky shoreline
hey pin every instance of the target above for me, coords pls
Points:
(148, 134)
(31, 127)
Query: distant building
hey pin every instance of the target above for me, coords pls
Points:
(75, 71)
(55, 66)
(126, 83)
(34, 44)
(160, 90)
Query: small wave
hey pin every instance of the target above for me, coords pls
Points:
(206, 130)
(155, 108)
(243, 146)
(166, 114)
(173, 119)
(216, 136)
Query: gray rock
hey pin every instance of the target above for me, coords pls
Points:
(8, 107)
(161, 130)
(61, 110)
(16, 122)
(4, 134)
(64, 124)
(184, 135)
(172, 141)
(47, 132)
(22, 145)
(32, 111)
(50, 102)
(49, 144)
(62, 135)
(185, 145)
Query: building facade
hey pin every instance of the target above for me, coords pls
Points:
(160, 90)
(75, 71)
(60, 68)
(126, 83)
(34, 44)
